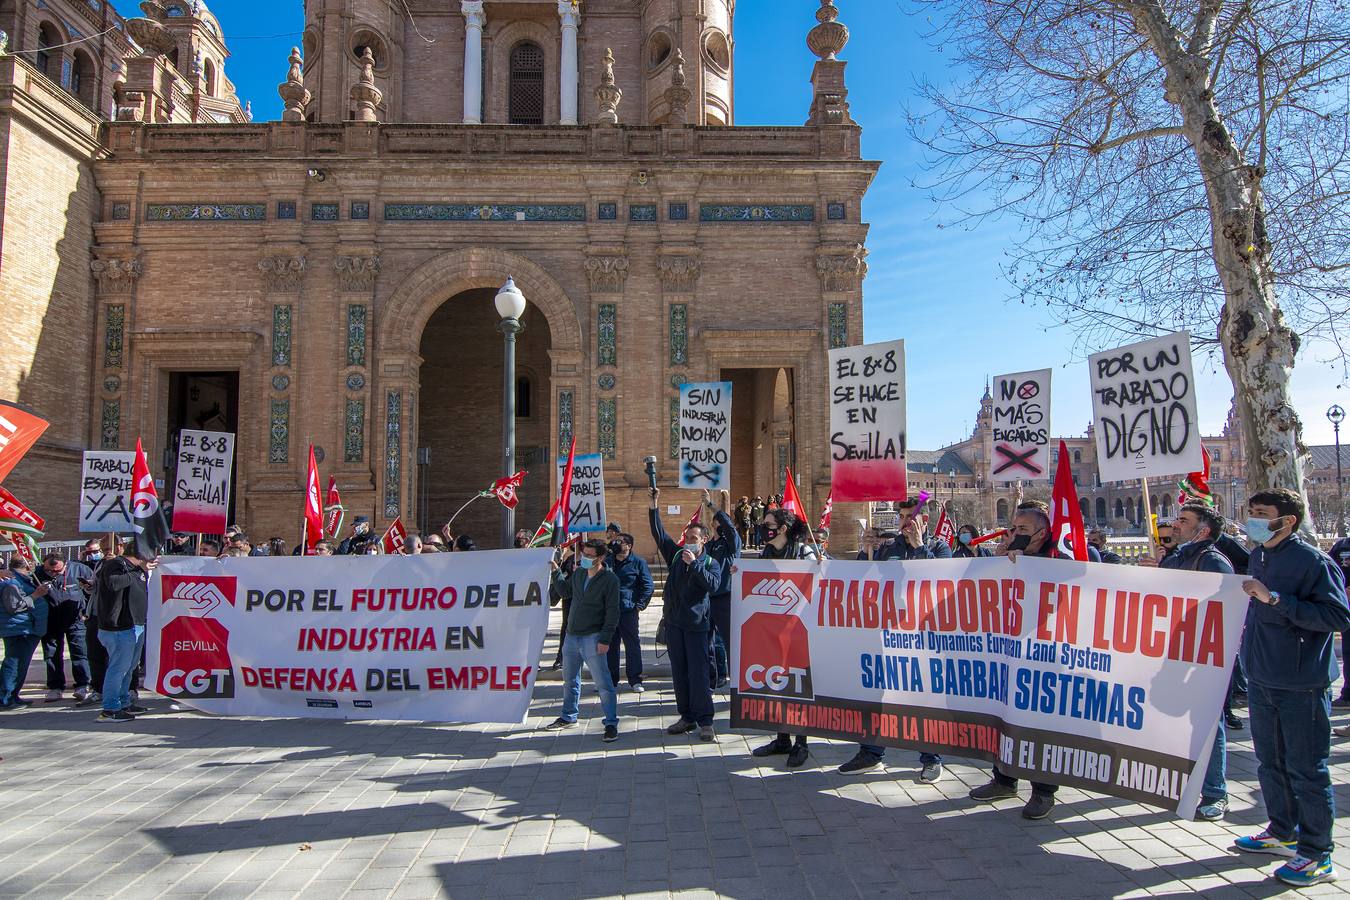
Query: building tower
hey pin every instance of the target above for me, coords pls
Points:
(701, 30)
(337, 35)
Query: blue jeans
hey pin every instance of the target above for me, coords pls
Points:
(1216, 782)
(13, 671)
(578, 649)
(689, 671)
(124, 651)
(925, 759)
(1291, 733)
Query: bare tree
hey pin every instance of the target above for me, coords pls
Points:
(1181, 164)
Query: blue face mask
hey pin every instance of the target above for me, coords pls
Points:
(1259, 530)
(586, 562)
(965, 538)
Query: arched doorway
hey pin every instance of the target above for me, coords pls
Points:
(460, 416)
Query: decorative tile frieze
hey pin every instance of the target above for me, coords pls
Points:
(608, 421)
(679, 272)
(356, 381)
(783, 463)
(836, 212)
(393, 451)
(121, 211)
(606, 382)
(116, 274)
(323, 212)
(607, 212)
(360, 210)
(279, 435)
(607, 335)
(674, 427)
(607, 273)
(679, 334)
(110, 432)
(676, 381)
(678, 212)
(282, 273)
(114, 327)
(841, 267)
(838, 326)
(281, 382)
(356, 334)
(112, 384)
(735, 212)
(281, 334)
(484, 212)
(285, 209)
(357, 273)
(565, 408)
(354, 437)
(642, 212)
(205, 212)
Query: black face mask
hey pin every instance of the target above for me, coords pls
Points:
(771, 533)
(616, 548)
(1021, 542)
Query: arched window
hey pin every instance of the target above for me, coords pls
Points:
(48, 63)
(82, 78)
(526, 96)
(1101, 510)
(1083, 505)
(1120, 509)
(1002, 510)
(209, 75)
(1078, 456)
(1139, 510)
(173, 58)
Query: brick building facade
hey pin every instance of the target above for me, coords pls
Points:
(328, 278)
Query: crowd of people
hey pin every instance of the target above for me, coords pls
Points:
(94, 610)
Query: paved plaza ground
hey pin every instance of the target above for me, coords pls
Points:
(182, 805)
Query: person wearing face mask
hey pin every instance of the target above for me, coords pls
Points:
(1297, 607)
(1097, 538)
(693, 578)
(635, 592)
(69, 601)
(726, 549)
(594, 594)
(786, 537)
(92, 554)
(912, 543)
(965, 537)
(23, 622)
(355, 543)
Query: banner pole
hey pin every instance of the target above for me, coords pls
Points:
(1148, 519)
(477, 496)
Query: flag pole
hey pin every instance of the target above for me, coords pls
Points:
(478, 496)
(1148, 519)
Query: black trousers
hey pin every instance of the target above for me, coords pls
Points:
(98, 656)
(721, 626)
(65, 630)
(562, 636)
(689, 671)
(627, 634)
(1037, 787)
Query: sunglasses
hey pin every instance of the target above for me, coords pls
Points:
(1164, 540)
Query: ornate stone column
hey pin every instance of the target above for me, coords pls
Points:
(115, 271)
(570, 16)
(474, 20)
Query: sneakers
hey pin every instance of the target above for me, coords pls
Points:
(931, 773)
(639, 689)
(116, 716)
(81, 694)
(1302, 871)
(861, 762)
(991, 791)
(1265, 842)
(707, 734)
(1212, 810)
(775, 747)
(93, 697)
(797, 756)
(683, 726)
(611, 734)
(1233, 722)
(559, 724)
(136, 710)
(51, 697)
(1038, 807)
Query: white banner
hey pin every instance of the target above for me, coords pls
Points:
(1021, 427)
(588, 492)
(1105, 678)
(441, 637)
(1144, 410)
(201, 494)
(105, 491)
(705, 436)
(867, 422)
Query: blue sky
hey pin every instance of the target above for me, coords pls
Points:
(940, 290)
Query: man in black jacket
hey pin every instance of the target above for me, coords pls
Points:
(635, 592)
(693, 578)
(122, 601)
(726, 549)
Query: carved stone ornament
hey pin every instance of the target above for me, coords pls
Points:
(841, 268)
(357, 273)
(294, 96)
(365, 95)
(608, 94)
(679, 272)
(678, 94)
(282, 273)
(607, 273)
(830, 37)
(116, 275)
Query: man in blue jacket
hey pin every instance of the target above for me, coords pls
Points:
(1297, 608)
(23, 621)
(635, 592)
(692, 579)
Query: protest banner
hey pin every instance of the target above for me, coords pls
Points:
(201, 493)
(1144, 410)
(440, 637)
(1105, 678)
(867, 422)
(1021, 427)
(587, 505)
(105, 491)
(705, 436)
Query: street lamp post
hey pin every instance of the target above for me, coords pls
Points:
(1336, 416)
(510, 303)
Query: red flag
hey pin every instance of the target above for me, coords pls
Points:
(564, 513)
(543, 535)
(945, 529)
(791, 501)
(20, 526)
(504, 489)
(1195, 486)
(826, 513)
(333, 510)
(991, 536)
(693, 521)
(146, 516)
(313, 511)
(19, 430)
(1066, 517)
(395, 539)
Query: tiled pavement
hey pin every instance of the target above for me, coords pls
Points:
(181, 805)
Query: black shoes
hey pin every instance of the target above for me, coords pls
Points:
(611, 734)
(559, 724)
(775, 747)
(862, 762)
(797, 758)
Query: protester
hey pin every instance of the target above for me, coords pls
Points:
(742, 517)
(692, 579)
(239, 541)
(276, 547)
(1030, 537)
(355, 543)
(1196, 530)
(521, 539)
(726, 549)
(594, 592)
(786, 537)
(235, 553)
(567, 563)
(122, 601)
(93, 556)
(323, 548)
(1097, 539)
(635, 592)
(23, 622)
(911, 543)
(68, 586)
(1166, 540)
(433, 543)
(465, 543)
(965, 544)
(757, 522)
(208, 548)
(180, 544)
(1340, 555)
(412, 545)
(1297, 606)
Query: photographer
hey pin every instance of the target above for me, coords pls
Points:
(68, 585)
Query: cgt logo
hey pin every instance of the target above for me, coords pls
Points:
(782, 591)
(775, 659)
(194, 652)
(203, 593)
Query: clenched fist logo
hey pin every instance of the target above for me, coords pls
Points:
(783, 594)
